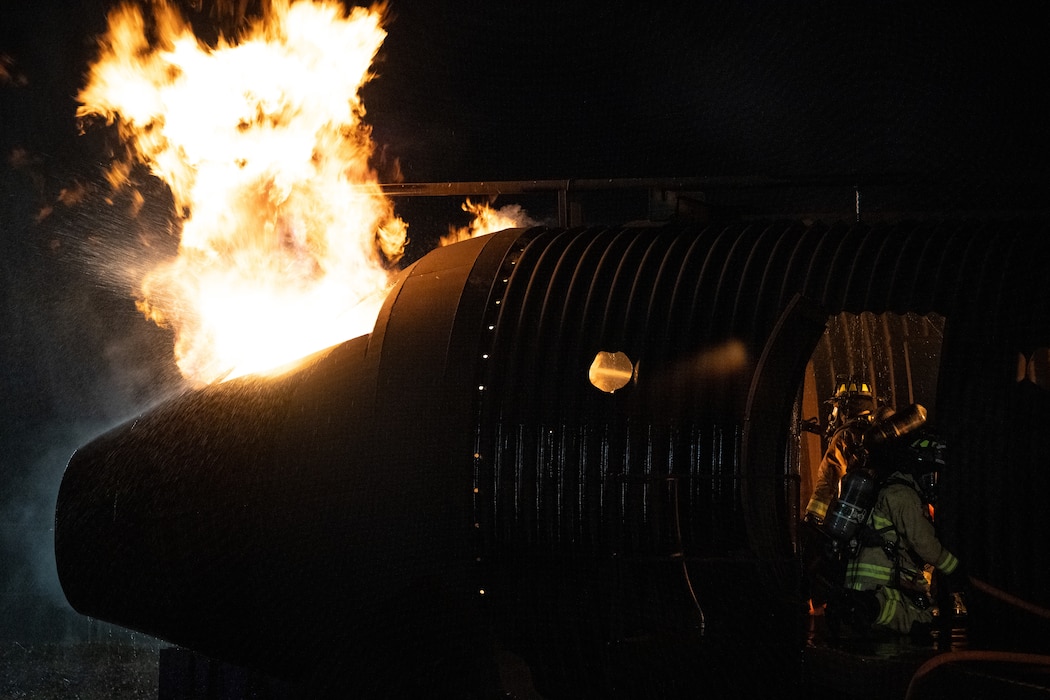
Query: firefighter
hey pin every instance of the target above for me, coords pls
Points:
(853, 411)
(888, 580)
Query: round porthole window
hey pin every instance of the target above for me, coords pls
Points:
(610, 371)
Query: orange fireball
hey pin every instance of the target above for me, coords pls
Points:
(287, 241)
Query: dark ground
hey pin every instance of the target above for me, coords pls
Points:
(83, 671)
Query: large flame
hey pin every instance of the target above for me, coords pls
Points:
(487, 220)
(287, 240)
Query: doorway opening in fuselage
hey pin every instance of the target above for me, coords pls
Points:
(898, 355)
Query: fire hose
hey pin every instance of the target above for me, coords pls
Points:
(1013, 600)
(985, 655)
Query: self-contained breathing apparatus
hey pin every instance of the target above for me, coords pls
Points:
(845, 522)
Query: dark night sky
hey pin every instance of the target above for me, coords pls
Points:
(723, 88)
(943, 95)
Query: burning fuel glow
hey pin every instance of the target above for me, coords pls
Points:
(287, 242)
(487, 220)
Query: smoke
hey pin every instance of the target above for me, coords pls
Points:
(35, 608)
(28, 511)
(76, 358)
